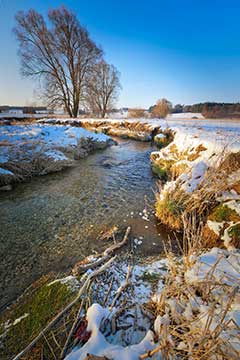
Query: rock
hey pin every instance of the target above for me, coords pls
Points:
(6, 188)
(80, 154)
(108, 163)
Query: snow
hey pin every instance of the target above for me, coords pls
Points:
(234, 205)
(187, 115)
(56, 155)
(55, 142)
(218, 265)
(5, 172)
(98, 345)
(48, 136)
(70, 281)
(226, 267)
(215, 226)
(196, 174)
(223, 268)
(199, 144)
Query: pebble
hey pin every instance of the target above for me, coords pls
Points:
(146, 227)
(137, 242)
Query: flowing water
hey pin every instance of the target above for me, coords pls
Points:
(54, 221)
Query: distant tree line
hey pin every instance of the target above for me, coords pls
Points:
(210, 109)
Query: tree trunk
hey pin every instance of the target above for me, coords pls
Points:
(75, 110)
(75, 113)
(103, 113)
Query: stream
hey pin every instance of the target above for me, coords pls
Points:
(51, 222)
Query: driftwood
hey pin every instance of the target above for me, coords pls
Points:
(82, 266)
(67, 308)
(79, 268)
(119, 245)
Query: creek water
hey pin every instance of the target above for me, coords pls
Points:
(51, 222)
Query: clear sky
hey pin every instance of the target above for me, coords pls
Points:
(185, 50)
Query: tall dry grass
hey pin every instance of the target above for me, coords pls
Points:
(185, 331)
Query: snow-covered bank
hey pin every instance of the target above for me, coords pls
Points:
(202, 165)
(28, 150)
(136, 129)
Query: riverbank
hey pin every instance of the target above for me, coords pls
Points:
(135, 129)
(199, 173)
(36, 150)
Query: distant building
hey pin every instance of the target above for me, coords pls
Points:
(24, 109)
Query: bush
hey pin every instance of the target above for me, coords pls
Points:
(161, 109)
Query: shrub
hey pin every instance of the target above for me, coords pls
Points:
(161, 109)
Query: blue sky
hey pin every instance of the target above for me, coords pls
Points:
(185, 50)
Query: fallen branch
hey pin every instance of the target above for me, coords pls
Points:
(81, 267)
(117, 246)
(122, 287)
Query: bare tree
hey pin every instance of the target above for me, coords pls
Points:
(62, 55)
(102, 88)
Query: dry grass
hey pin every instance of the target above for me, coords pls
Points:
(195, 334)
(136, 113)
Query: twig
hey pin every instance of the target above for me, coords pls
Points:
(151, 353)
(122, 287)
(64, 350)
(117, 246)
